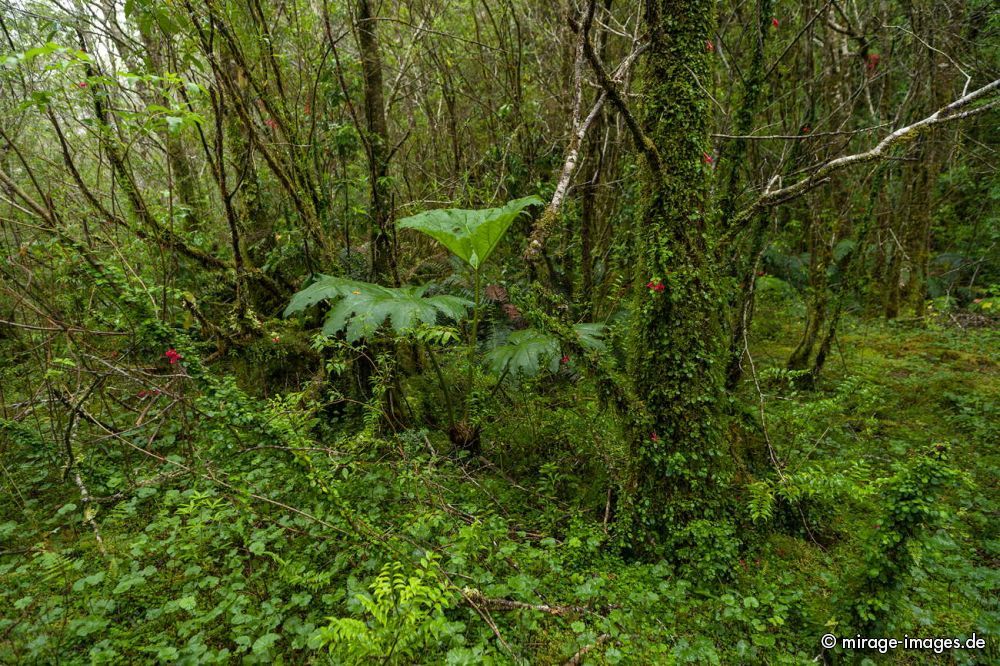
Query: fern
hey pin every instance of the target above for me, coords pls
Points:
(404, 616)
(761, 501)
(53, 565)
(361, 307)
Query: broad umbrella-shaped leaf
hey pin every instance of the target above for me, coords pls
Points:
(362, 307)
(472, 235)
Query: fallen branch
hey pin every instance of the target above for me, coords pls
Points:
(477, 599)
(577, 658)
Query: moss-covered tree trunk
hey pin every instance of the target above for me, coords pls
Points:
(676, 345)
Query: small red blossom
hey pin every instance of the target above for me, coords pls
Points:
(142, 394)
(276, 339)
(81, 84)
(709, 46)
(708, 159)
(871, 63)
(564, 360)
(774, 22)
(270, 122)
(656, 285)
(805, 129)
(173, 356)
(654, 437)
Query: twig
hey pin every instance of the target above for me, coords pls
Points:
(541, 229)
(577, 658)
(798, 137)
(72, 468)
(477, 598)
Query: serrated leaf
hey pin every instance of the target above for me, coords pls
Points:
(527, 352)
(362, 307)
(264, 643)
(590, 334)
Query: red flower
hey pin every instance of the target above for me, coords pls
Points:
(81, 84)
(871, 63)
(774, 22)
(142, 394)
(805, 129)
(709, 46)
(173, 356)
(656, 286)
(564, 359)
(707, 158)
(270, 122)
(654, 437)
(276, 339)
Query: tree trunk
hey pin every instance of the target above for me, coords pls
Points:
(676, 345)
(383, 265)
(817, 296)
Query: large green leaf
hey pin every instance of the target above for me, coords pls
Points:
(472, 235)
(527, 352)
(361, 307)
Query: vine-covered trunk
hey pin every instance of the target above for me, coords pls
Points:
(676, 346)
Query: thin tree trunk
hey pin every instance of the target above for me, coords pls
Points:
(383, 265)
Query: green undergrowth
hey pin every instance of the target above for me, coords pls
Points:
(355, 546)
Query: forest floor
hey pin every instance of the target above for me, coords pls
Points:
(388, 545)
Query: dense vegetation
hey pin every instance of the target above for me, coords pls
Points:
(645, 331)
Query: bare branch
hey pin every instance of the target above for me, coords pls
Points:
(954, 111)
(642, 141)
(544, 223)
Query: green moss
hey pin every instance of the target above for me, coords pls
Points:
(675, 342)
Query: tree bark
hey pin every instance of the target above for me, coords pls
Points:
(676, 345)
(383, 263)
